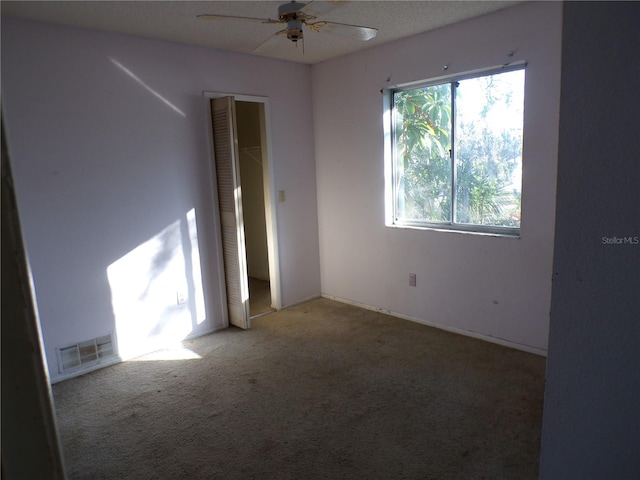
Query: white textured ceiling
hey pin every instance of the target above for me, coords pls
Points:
(176, 21)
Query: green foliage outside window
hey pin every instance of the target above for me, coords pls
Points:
(475, 123)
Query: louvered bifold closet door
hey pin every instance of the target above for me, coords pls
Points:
(225, 140)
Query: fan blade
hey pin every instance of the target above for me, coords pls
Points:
(271, 43)
(316, 9)
(352, 31)
(206, 16)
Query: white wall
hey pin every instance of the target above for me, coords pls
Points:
(110, 150)
(591, 425)
(495, 287)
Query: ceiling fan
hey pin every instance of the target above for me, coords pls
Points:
(298, 17)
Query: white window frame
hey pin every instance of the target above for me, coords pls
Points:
(391, 219)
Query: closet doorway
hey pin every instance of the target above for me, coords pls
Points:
(246, 208)
(252, 156)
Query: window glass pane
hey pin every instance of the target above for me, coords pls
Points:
(488, 149)
(422, 126)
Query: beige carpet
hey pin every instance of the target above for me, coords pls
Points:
(322, 390)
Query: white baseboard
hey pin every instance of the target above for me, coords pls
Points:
(300, 302)
(117, 359)
(459, 331)
(81, 371)
(487, 338)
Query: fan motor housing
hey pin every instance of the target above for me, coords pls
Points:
(291, 11)
(294, 30)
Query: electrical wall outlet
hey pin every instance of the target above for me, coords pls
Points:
(181, 297)
(281, 196)
(412, 279)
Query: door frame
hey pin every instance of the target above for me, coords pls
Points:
(270, 199)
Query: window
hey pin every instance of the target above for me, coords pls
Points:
(456, 152)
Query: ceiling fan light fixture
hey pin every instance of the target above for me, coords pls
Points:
(294, 30)
(298, 16)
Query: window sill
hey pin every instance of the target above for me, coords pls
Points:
(450, 229)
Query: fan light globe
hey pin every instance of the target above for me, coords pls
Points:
(294, 30)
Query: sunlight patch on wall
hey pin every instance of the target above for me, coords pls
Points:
(147, 87)
(197, 295)
(156, 290)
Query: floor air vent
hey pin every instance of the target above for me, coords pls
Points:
(85, 354)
